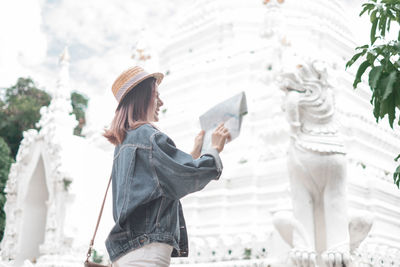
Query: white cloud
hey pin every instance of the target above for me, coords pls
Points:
(100, 35)
(96, 24)
(22, 42)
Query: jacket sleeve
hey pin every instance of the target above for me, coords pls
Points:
(178, 173)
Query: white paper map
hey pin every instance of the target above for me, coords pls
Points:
(230, 111)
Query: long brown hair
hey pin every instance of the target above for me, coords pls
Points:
(131, 111)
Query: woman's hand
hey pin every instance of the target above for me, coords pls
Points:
(219, 137)
(198, 143)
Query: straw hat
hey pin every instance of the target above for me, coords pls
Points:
(128, 79)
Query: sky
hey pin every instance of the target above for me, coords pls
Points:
(100, 36)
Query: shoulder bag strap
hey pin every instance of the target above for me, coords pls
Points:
(89, 253)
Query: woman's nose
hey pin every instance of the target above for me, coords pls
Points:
(160, 102)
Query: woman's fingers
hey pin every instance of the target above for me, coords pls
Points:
(198, 143)
(223, 131)
(220, 126)
(220, 136)
(228, 136)
(199, 138)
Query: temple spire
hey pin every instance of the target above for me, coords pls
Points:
(63, 89)
(64, 57)
(56, 119)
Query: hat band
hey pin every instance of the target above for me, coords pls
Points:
(128, 84)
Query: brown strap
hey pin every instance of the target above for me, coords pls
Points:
(89, 253)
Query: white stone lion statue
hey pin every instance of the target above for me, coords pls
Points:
(318, 231)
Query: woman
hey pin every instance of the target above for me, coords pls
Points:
(150, 175)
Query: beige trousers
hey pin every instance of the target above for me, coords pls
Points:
(151, 255)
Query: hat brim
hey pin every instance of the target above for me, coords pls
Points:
(157, 75)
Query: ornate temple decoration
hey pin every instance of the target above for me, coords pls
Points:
(36, 195)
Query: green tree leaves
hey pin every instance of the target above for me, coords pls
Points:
(381, 13)
(20, 111)
(396, 174)
(373, 29)
(383, 61)
(5, 164)
(384, 75)
(79, 105)
(387, 85)
(360, 72)
(374, 76)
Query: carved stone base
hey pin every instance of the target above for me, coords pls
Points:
(336, 258)
(303, 258)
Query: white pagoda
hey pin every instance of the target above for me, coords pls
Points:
(54, 189)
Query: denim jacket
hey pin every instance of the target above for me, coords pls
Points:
(149, 176)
